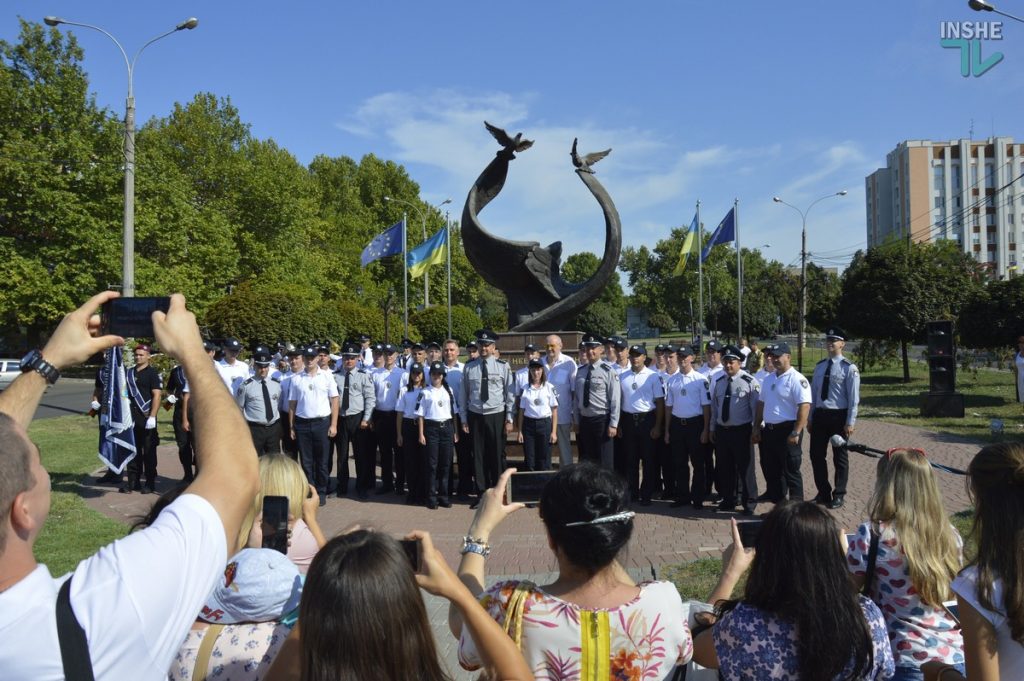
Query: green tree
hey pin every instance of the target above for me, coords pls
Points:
(606, 314)
(432, 323)
(994, 315)
(824, 290)
(265, 314)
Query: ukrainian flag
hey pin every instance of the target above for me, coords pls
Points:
(433, 251)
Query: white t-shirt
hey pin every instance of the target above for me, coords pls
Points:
(233, 374)
(783, 395)
(562, 377)
(1011, 653)
(136, 599)
(312, 394)
(537, 402)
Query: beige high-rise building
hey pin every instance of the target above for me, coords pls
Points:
(968, 191)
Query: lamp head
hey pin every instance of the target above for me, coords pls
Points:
(52, 20)
(841, 193)
(445, 202)
(776, 199)
(189, 24)
(979, 6)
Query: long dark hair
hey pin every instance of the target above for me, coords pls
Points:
(799, 575)
(996, 477)
(579, 493)
(362, 616)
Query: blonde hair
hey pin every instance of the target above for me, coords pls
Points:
(280, 476)
(907, 496)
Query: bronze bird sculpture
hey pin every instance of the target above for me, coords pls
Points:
(516, 143)
(584, 162)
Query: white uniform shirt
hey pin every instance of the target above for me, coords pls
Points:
(640, 390)
(688, 394)
(783, 395)
(407, 402)
(762, 374)
(562, 376)
(233, 374)
(453, 376)
(521, 379)
(537, 402)
(365, 358)
(434, 404)
(386, 384)
(711, 374)
(312, 394)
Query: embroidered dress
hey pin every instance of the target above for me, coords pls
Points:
(918, 632)
(752, 644)
(642, 639)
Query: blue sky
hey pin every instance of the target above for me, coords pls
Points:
(711, 101)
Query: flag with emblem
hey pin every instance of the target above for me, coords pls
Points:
(431, 252)
(117, 439)
(388, 242)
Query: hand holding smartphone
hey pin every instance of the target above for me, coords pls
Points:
(131, 317)
(527, 487)
(414, 552)
(275, 523)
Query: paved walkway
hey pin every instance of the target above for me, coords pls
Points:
(663, 536)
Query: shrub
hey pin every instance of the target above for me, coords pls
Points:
(432, 323)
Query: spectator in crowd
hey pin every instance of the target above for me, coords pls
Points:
(798, 618)
(282, 476)
(362, 617)
(905, 558)
(990, 590)
(132, 603)
(635, 631)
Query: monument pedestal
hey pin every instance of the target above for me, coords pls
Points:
(942, 404)
(511, 343)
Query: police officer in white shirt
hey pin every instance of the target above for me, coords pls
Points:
(463, 447)
(537, 422)
(259, 397)
(313, 408)
(835, 394)
(288, 444)
(233, 370)
(521, 377)
(669, 366)
(488, 398)
(365, 352)
(561, 375)
(734, 398)
(783, 408)
(688, 398)
(643, 415)
(435, 411)
(387, 381)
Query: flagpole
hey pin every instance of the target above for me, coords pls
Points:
(739, 270)
(448, 232)
(405, 271)
(700, 276)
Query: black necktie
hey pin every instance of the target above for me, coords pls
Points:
(266, 400)
(484, 391)
(824, 382)
(586, 386)
(726, 401)
(344, 400)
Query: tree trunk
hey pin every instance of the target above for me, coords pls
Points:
(906, 361)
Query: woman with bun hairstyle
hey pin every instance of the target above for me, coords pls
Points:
(990, 590)
(592, 621)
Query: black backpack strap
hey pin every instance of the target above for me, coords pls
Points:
(869, 575)
(74, 649)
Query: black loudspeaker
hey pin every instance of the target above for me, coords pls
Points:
(941, 357)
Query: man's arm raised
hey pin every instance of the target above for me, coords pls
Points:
(228, 476)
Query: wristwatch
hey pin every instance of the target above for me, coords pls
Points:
(34, 361)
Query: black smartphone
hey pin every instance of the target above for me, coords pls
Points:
(414, 552)
(526, 487)
(749, 532)
(275, 523)
(131, 317)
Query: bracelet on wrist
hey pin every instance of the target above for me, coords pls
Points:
(469, 539)
(482, 550)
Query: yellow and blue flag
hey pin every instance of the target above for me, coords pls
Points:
(433, 251)
(690, 245)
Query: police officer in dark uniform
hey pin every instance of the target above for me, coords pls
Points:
(259, 398)
(489, 400)
(176, 383)
(357, 399)
(835, 394)
(597, 405)
(733, 407)
(144, 389)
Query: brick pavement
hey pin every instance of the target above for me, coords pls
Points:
(662, 536)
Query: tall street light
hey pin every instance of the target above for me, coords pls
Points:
(803, 273)
(423, 221)
(128, 240)
(979, 6)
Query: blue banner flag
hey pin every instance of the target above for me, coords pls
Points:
(723, 234)
(117, 439)
(431, 252)
(388, 242)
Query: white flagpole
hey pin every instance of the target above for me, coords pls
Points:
(739, 270)
(448, 231)
(405, 273)
(700, 276)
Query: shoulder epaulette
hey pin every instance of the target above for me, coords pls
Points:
(247, 381)
(724, 375)
(275, 378)
(748, 378)
(501, 361)
(846, 362)
(823, 361)
(606, 366)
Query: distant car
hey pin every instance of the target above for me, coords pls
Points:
(10, 369)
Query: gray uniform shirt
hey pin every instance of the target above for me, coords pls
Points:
(742, 399)
(362, 397)
(605, 392)
(249, 397)
(500, 388)
(843, 387)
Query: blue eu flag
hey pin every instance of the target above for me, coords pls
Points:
(388, 242)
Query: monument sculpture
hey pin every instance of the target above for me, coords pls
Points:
(538, 298)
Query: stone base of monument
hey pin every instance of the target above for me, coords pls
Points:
(948, 404)
(511, 343)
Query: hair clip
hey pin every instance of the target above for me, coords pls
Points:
(614, 518)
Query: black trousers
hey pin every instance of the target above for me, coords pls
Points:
(265, 437)
(782, 462)
(687, 452)
(288, 444)
(537, 443)
(314, 450)
(464, 454)
(438, 460)
(735, 464)
(144, 463)
(826, 423)
(392, 466)
(639, 450)
(593, 442)
(413, 453)
(183, 439)
(488, 437)
(666, 467)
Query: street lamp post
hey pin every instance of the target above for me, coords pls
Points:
(128, 240)
(980, 6)
(423, 221)
(803, 273)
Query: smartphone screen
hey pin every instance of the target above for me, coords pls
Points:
(275, 523)
(953, 608)
(749, 531)
(527, 487)
(414, 552)
(131, 317)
